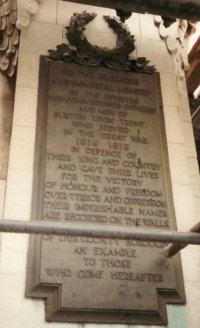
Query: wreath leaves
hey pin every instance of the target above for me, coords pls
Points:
(83, 52)
(125, 41)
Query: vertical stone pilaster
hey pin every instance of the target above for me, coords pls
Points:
(6, 117)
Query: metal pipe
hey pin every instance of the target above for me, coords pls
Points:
(89, 230)
(196, 111)
(173, 249)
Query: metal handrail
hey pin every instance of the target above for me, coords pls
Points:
(178, 239)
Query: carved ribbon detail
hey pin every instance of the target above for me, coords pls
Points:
(174, 35)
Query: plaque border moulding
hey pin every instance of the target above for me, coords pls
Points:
(52, 292)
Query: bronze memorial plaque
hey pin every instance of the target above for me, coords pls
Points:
(101, 158)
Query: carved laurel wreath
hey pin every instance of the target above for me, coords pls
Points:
(125, 41)
(83, 52)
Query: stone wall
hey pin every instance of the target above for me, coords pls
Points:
(44, 32)
(6, 118)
